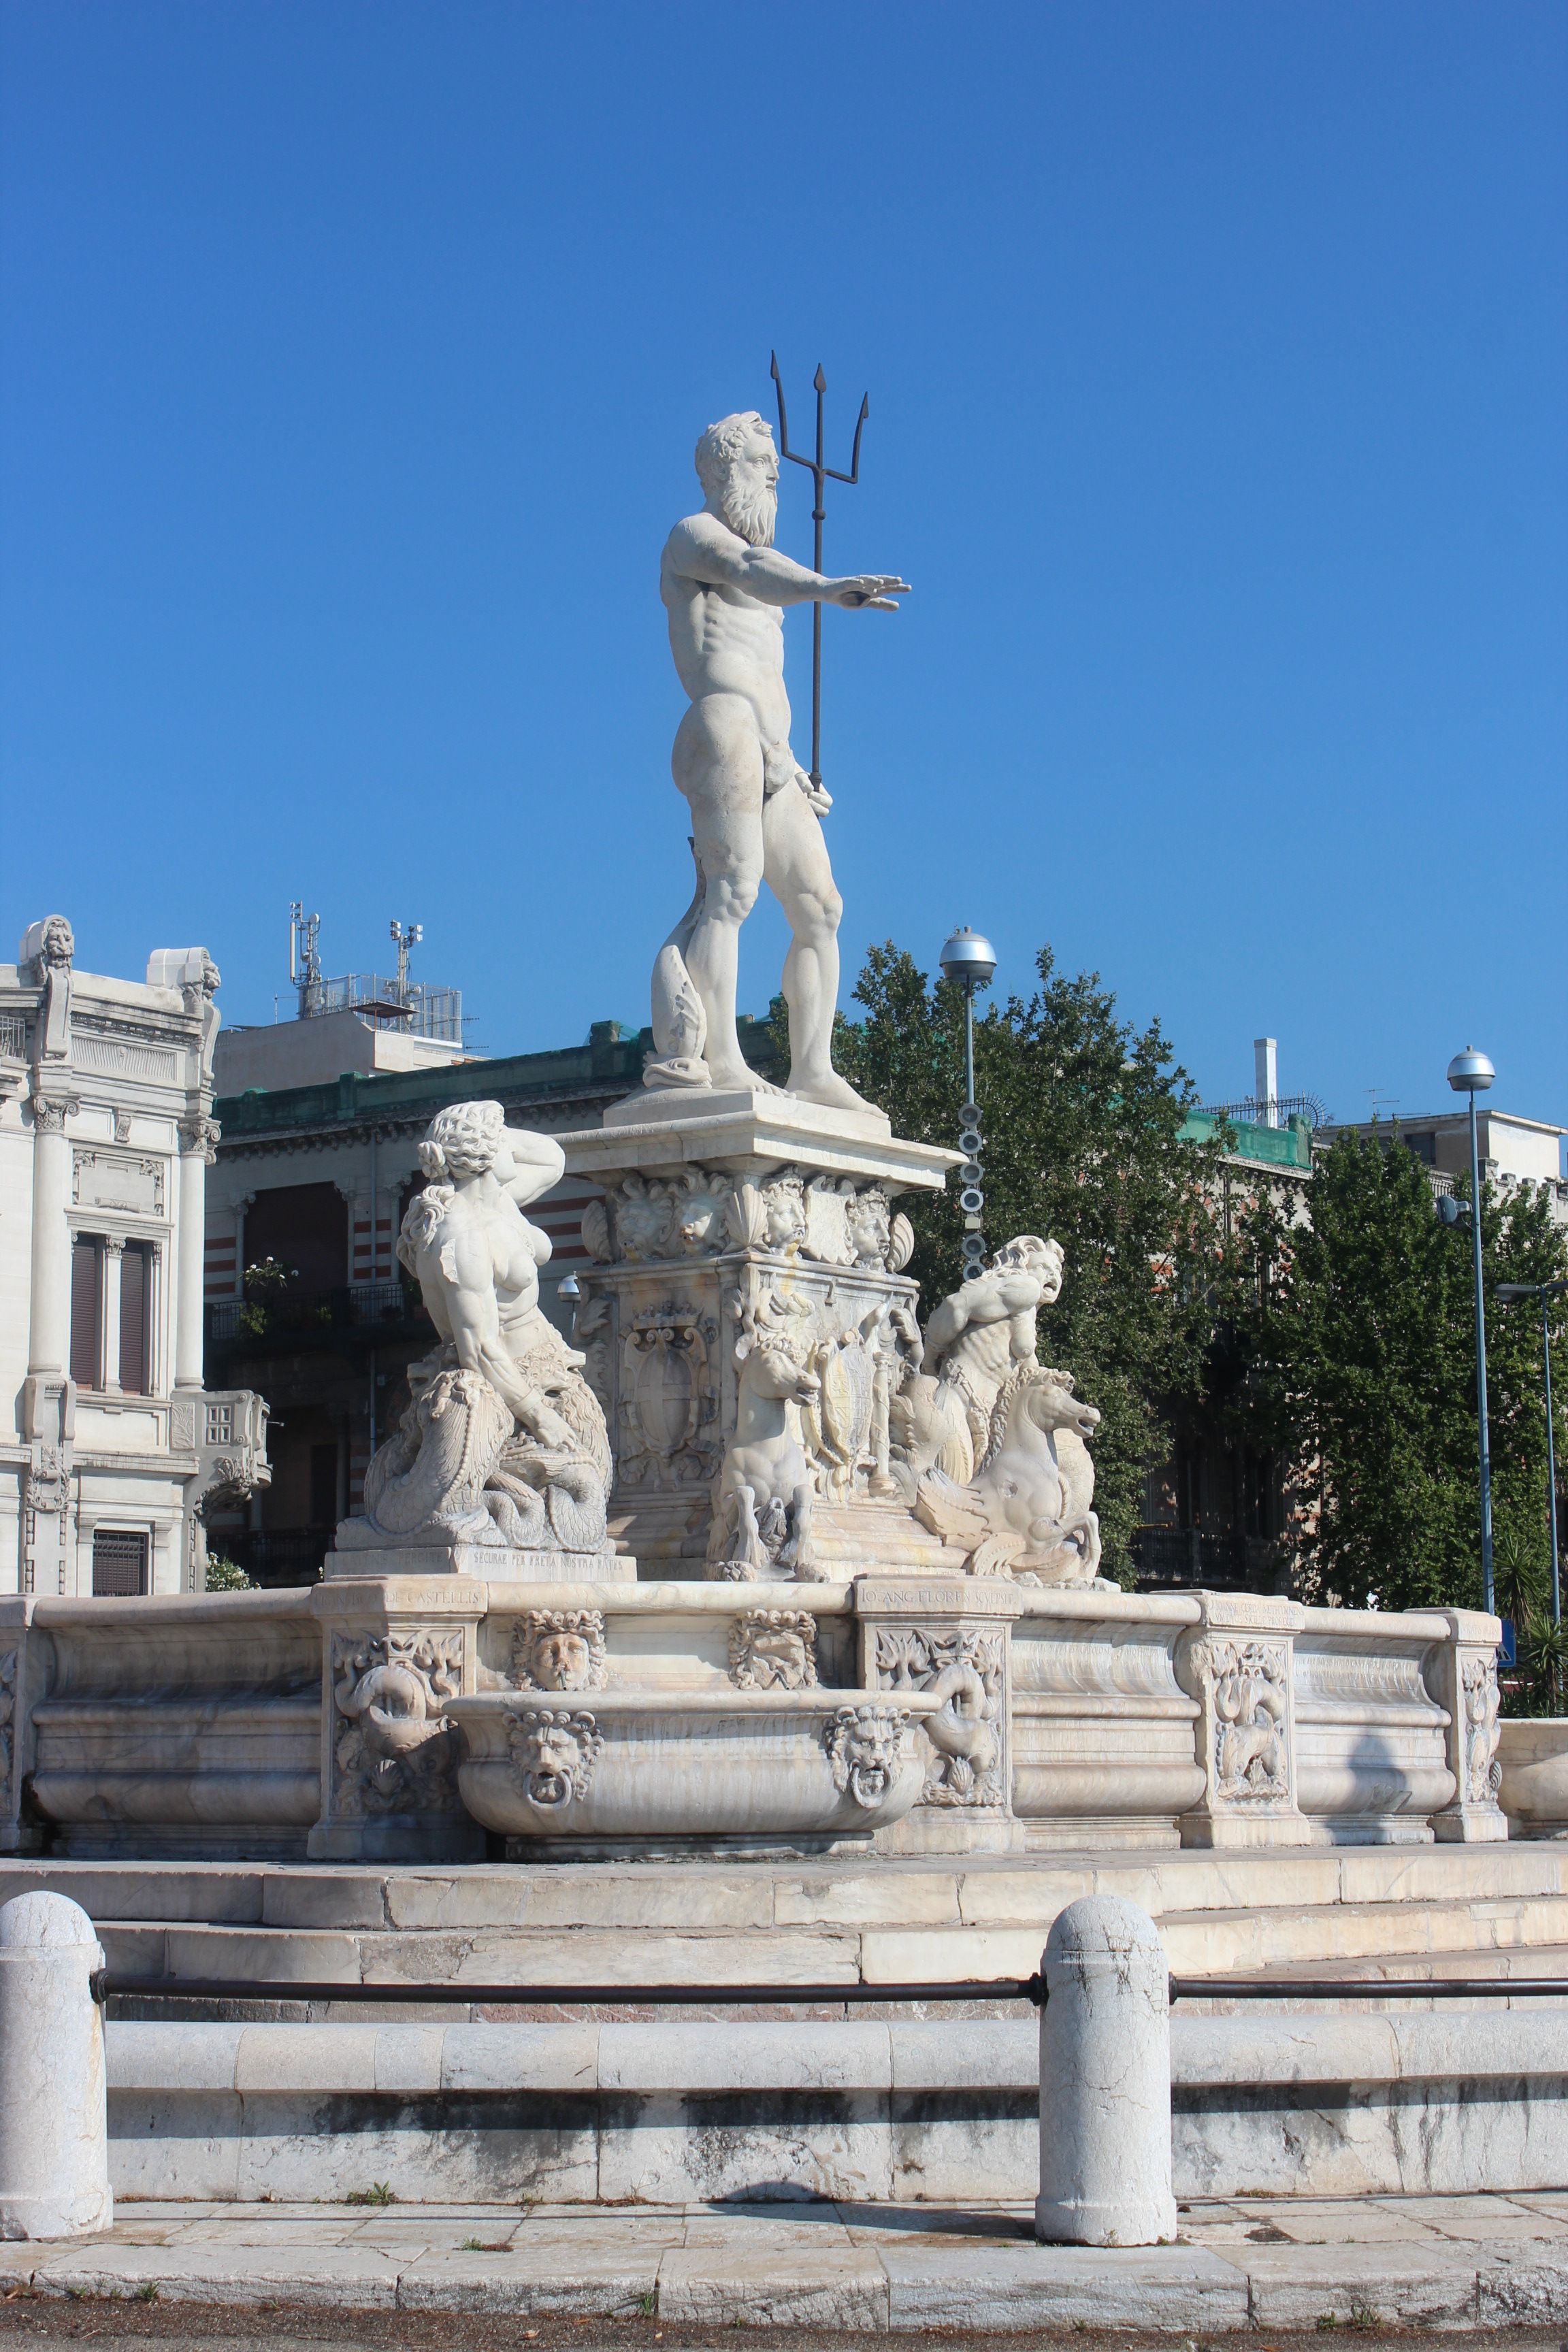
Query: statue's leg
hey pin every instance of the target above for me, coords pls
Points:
(718, 764)
(800, 874)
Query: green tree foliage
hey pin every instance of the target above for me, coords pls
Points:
(1081, 1118)
(1361, 1342)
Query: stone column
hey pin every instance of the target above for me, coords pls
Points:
(109, 1320)
(197, 1136)
(1105, 2080)
(16, 1723)
(48, 1333)
(949, 1637)
(1461, 1673)
(393, 1650)
(1239, 1663)
(54, 2081)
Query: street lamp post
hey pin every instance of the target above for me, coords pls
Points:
(970, 960)
(1545, 1292)
(1471, 1074)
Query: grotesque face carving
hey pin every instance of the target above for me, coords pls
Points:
(554, 1754)
(560, 1650)
(555, 1763)
(562, 1662)
(870, 1227)
(784, 1205)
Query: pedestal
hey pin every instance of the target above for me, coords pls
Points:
(395, 1650)
(948, 1638)
(725, 1211)
(1462, 1673)
(1238, 1664)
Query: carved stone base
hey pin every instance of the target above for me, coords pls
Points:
(1463, 1672)
(947, 1638)
(747, 1306)
(396, 1650)
(494, 1563)
(1238, 1666)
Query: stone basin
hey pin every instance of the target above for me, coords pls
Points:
(572, 1775)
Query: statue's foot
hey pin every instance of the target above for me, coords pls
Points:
(832, 1091)
(741, 1078)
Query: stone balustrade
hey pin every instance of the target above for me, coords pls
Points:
(325, 1720)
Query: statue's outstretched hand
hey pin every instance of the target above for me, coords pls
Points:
(817, 796)
(873, 592)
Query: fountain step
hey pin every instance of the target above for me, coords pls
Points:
(868, 1919)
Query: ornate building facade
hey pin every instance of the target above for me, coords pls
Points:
(112, 1449)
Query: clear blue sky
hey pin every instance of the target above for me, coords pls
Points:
(354, 355)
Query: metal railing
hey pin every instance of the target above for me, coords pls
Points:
(14, 1035)
(355, 1306)
(1284, 1107)
(276, 1556)
(114, 1984)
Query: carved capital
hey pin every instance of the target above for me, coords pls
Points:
(50, 1112)
(198, 1139)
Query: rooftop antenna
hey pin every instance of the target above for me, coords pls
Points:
(821, 474)
(304, 958)
(406, 937)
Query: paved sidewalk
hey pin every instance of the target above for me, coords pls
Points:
(1426, 2261)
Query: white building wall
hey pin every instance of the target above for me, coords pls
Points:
(105, 1087)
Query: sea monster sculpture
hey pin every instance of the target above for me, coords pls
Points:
(987, 1442)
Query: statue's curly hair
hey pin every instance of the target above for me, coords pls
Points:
(462, 1141)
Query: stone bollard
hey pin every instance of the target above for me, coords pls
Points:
(54, 2105)
(1105, 2080)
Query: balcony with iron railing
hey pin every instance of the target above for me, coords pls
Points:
(1182, 1559)
(362, 1310)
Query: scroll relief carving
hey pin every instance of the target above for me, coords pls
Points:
(560, 1650)
(670, 1400)
(397, 1752)
(865, 1744)
(966, 1671)
(47, 1486)
(827, 1220)
(774, 1649)
(554, 1752)
(1480, 1696)
(815, 1376)
(1247, 1684)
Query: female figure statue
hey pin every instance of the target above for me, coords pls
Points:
(503, 1441)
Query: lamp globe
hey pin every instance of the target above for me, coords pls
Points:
(969, 958)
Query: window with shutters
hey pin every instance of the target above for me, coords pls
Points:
(87, 1311)
(118, 1562)
(135, 1318)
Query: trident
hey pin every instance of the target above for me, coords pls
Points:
(821, 473)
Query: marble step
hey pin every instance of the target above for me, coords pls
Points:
(1329, 1938)
(854, 1893)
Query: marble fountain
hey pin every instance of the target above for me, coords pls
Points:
(757, 1578)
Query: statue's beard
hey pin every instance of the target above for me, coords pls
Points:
(750, 514)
